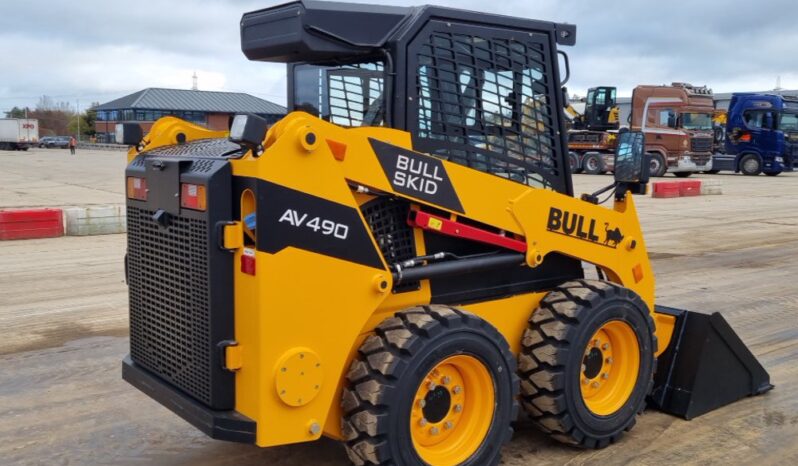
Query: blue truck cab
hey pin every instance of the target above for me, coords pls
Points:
(761, 135)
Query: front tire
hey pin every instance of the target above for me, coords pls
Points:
(657, 165)
(573, 161)
(682, 174)
(432, 385)
(751, 165)
(587, 362)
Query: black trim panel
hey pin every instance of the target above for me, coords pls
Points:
(222, 425)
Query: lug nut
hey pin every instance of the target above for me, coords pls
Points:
(422, 422)
(434, 431)
(457, 389)
(605, 376)
(584, 367)
(605, 346)
(448, 425)
(422, 403)
(431, 386)
(594, 385)
(609, 360)
(446, 380)
(585, 381)
(596, 342)
(458, 408)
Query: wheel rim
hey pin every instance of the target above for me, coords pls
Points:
(592, 164)
(654, 165)
(609, 368)
(751, 165)
(452, 410)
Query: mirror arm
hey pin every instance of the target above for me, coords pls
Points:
(593, 198)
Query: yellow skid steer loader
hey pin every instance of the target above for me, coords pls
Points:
(400, 263)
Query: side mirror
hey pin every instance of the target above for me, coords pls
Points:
(631, 163)
(129, 134)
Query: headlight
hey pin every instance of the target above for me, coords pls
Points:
(780, 159)
(248, 130)
(129, 134)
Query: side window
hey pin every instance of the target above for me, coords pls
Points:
(601, 96)
(666, 117)
(757, 119)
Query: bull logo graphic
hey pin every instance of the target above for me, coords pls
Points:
(614, 235)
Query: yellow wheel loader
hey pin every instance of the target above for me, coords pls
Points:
(400, 262)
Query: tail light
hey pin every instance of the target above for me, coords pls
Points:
(192, 196)
(137, 188)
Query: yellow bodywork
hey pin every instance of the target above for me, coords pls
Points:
(300, 320)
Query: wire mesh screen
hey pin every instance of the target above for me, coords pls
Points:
(347, 95)
(485, 102)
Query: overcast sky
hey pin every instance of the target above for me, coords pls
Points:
(91, 50)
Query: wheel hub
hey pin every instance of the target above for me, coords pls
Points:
(609, 367)
(452, 410)
(437, 404)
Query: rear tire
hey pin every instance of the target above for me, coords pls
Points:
(462, 369)
(682, 174)
(587, 362)
(657, 165)
(773, 173)
(712, 172)
(593, 164)
(751, 165)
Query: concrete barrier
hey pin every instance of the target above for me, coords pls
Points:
(711, 186)
(97, 220)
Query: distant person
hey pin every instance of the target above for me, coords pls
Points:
(73, 143)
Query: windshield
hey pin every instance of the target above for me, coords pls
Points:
(696, 121)
(347, 95)
(788, 122)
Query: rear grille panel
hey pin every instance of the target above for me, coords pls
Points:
(180, 281)
(169, 300)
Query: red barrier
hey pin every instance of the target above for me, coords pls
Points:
(663, 189)
(31, 223)
(690, 187)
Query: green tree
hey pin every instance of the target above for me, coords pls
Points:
(17, 112)
(87, 120)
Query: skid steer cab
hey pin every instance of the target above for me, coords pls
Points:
(399, 263)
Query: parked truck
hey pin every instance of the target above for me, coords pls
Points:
(677, 122)
(761, 135)
(18, 133)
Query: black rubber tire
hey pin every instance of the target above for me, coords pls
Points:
(593, 164)
(750, 171)
(550, 362)
(573, 160)
(384, 377)
(661, 167)
(712, 172)
(772, 173)
(682, 174)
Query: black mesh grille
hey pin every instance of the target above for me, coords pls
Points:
(484, 102)
(387, 219)
(169, 300)
(700, 144)
(206, 148)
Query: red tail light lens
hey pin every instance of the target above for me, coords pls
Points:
(137, 188)
(192, 196)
